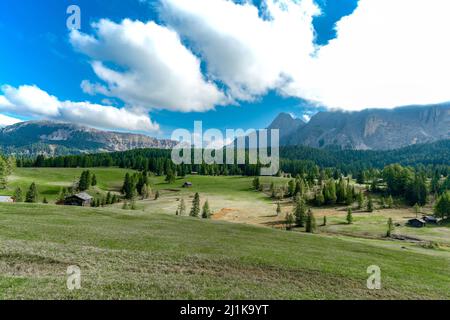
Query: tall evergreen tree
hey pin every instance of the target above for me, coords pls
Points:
(300, 211)
(278, 209)
(311, 222)
(94, 180)
(349, 216)
(206, 211)
(18, 195)
(442, 207)
(195, 209)
(32, 194)
(390, 228)
(370, 205)
(182, 208)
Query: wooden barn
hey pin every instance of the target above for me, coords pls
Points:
(187, 185)
(417, 223)
(80, 199)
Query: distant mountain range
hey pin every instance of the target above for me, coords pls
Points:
(371, 129)
(57, 138)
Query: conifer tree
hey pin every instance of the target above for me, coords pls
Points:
(370, 205)
(18, 195)
(256, 183)
(310, 222)
(94, 180)
(390, 202)
(300, 211)
(290, 219)
(360, 199)
(349, 216)
(324, 221)
(278, 209)
(157, 195)
(390, 228)
(195, 210)
(206, 211)
(182, 208)
(32, 194)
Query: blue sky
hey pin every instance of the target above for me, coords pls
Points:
(38, 50)
(35, 50)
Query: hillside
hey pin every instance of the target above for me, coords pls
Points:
(135, 255)
(373, 129)
(57, 138)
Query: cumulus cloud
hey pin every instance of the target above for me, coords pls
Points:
(8, 121)
(386, 54)
(249, 52)
(31, 101)
(151, 69)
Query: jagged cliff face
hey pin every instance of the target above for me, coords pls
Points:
(374, 129)
(286, 124)
(54, 138)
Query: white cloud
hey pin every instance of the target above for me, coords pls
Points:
(387, 54)
(152, 68)
(249, 53)
(30, 101)
(7, 121)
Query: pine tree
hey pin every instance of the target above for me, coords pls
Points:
(18, 195)
(360, 199)
(370, 205)
(195, 210)
(291, 188)
(442, 207)
(319, 199)
(32, 194)
(45, 201)
(109, 198)
(145, 192)
(310, 222)
(300, 212)
(94, 180)
(170, 177)
(129, 187)
(206, 212)
(182, 208)
(390, 202)
(390, 228)
(349, 216)
(256, 183)
(324, 221)
(278, 209)
(289, 221)
(3, 173)
(417, 209)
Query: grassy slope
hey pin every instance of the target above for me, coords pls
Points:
(139, 255)
(50, 180)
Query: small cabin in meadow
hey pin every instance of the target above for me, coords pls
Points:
(187, 185)
(417, 223)
(80, 199)
(430, 219)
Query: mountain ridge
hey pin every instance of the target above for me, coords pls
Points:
(373, 129)
(60, 138)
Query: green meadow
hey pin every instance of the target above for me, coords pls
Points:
(150, 253)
